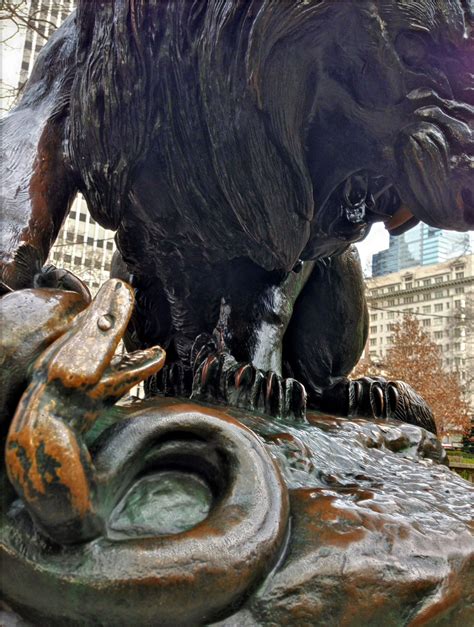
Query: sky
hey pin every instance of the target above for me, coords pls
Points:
(375, 241)
(10, 57)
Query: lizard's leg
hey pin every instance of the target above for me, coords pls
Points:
(324, 341)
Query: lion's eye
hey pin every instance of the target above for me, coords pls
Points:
(412, 48)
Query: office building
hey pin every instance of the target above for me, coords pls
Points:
(422, 245)
(441, 296)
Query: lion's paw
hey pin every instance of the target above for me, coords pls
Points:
(220, 378)
(377, 398)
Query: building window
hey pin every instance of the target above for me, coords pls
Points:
(391, 315)
(438, 335)
(460, 275)
(110, 245)
(373, 317)
(373, 341)
(82, 217)
(438, 279)
(427, 309)
(408, 285)
(439, 294)
(408, 299)
(426, 281)
(391, 302)
(438, 307)
(373, 329)
(426, 322)
(426, 296)
(459, 290)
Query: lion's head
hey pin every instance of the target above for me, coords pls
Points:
(273, 129)
(390, 138)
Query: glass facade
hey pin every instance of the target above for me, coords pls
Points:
(423, 245)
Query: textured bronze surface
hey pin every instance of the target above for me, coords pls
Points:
(171, 512)
(379, 531)
(72, 381)
(238, 149)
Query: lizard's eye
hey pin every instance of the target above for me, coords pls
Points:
(412, 48)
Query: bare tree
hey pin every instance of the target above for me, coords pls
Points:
(18, 18)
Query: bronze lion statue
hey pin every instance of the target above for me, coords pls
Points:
(238, 148)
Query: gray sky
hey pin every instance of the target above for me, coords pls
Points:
(375, 241)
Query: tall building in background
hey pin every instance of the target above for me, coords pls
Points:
(421, 246)
(441, 297)
(44, 17)
(83, 247)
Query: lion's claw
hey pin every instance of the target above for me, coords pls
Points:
(376, 398)
(219, 378)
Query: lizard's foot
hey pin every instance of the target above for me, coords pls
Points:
(61, 279)
(219, 378)
(376, 398)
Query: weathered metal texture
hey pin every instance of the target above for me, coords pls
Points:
(171, 512)
(238, 148)
(71, 382)
(31, 320)
(379, 531)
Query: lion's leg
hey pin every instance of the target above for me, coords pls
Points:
(325, 340)
(38, 183)
(328, 329)
(236, 314)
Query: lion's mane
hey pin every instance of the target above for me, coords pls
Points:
(208, 92)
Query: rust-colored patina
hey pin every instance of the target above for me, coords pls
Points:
(173, 512)
(46, 460)
(238, 149)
